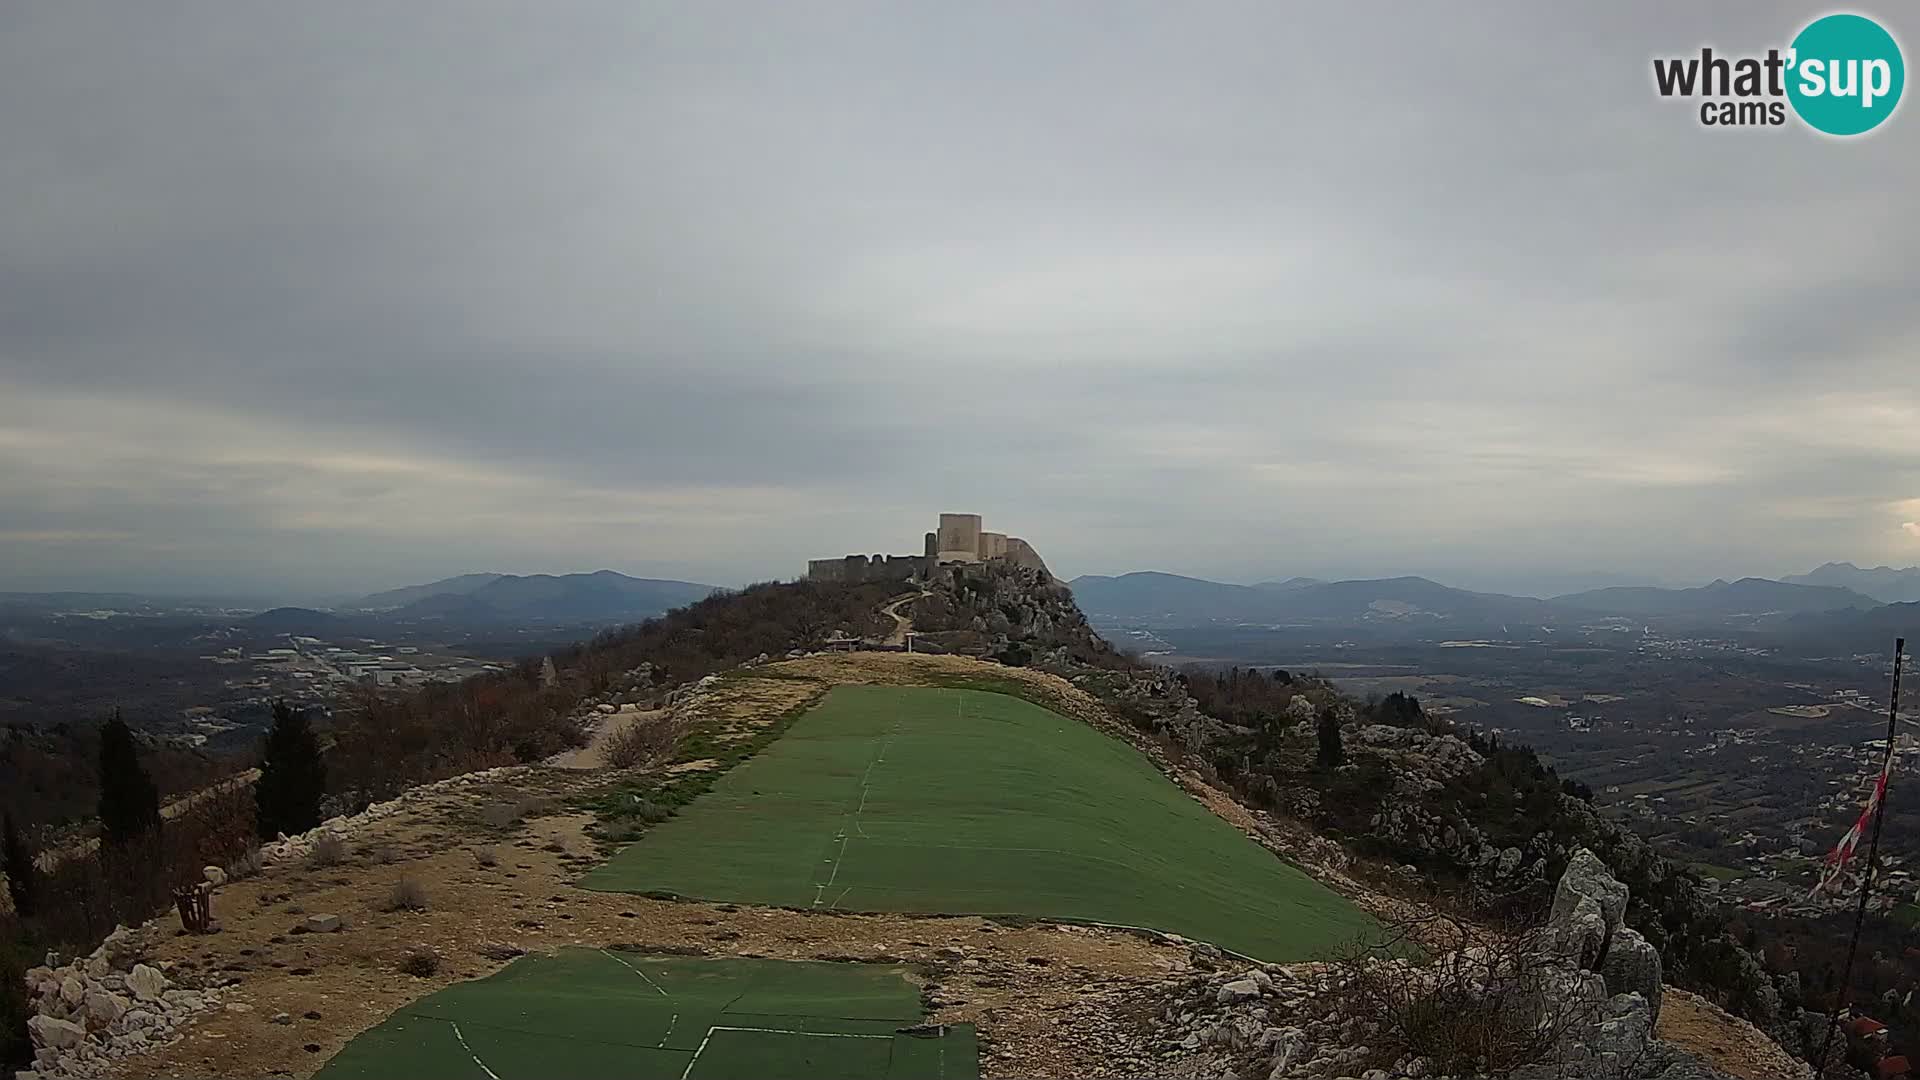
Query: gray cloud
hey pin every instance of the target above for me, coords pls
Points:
(362, 294)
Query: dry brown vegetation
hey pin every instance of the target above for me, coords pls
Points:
(1490, 1002)
(642, 741)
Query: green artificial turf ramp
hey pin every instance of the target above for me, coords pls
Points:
(594, 1013)
(960, 801)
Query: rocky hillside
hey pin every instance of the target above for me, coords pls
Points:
(1581, 996)
(1425, 808)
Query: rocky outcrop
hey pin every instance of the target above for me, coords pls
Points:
(91, 1012)
(1585, 980)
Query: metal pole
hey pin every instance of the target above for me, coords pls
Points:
(1873, 851)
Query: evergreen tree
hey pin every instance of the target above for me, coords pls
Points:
(18, 862)
(1331, 752)
(129, 803)
(293, 777)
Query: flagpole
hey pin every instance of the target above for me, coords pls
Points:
(1873, 851)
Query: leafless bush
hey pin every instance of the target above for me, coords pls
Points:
(499, 815)
(642, 742)
(383, 855)
(1486, 1002)
(485, 857)
(328, 850)
(245, 865)
(407, 895)
(537, 807)
(501, 950)
(420, 962)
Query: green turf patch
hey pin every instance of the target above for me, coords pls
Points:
(957, 801)
(595, 1013)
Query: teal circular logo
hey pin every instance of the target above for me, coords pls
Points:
(1846, 74)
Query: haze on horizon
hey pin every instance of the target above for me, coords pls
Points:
(358, 295)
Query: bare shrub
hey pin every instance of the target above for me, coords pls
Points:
(328, 850)
(499, 815)
(247, 864)
(501, 950)
(420, 962)
(1486, 1003)
(407, 895)
(642, 742)
(486, 857)
(383, 855)
(538, 807)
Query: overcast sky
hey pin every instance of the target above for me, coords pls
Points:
(332, 296)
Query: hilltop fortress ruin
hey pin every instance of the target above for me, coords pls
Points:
(959, 539)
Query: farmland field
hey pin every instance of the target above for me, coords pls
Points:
(913, 799)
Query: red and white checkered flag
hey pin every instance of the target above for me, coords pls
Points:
(1842, 853)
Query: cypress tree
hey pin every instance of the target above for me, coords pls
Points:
(293, 777)
(129, 802)
(1331, 752)
(21, 873)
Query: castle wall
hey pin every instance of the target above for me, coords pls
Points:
(860, 568)
(1021, 553)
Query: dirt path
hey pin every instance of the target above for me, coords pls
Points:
(593, 755)
(902, 624)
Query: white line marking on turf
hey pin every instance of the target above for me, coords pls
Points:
(636, 971)
(671, 1020)
(470, 1053)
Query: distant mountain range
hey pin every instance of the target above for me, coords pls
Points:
(1748, 596)
(1883, 583)
(600, 595)
(401, 597)
(1169, 600)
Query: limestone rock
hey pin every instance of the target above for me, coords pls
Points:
(1632, 966)
(73, 990)
(104, 1008)
(146, 982)
(1586, 877)
(1237, 990)
(323, 924)
(55, 1034)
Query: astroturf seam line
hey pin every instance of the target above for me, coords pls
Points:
(805, 1034)
(469, 1050)
(866, 787)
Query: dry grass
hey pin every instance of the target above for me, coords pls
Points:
(407, 895)
(329, 850)
(1490, 1005)
(642, 743)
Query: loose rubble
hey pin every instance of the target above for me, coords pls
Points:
(108, 1005)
